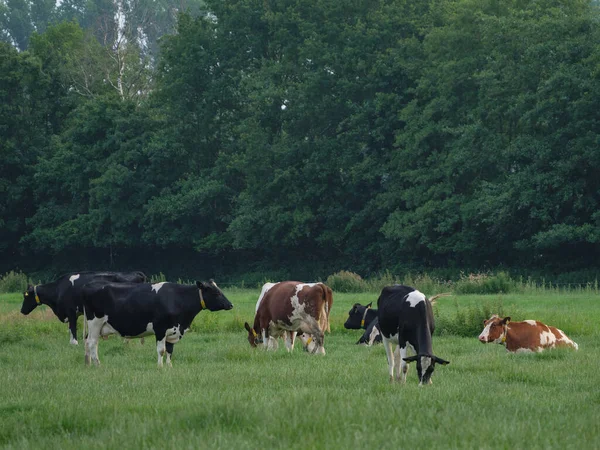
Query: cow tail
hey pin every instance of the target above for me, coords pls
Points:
(328, 302)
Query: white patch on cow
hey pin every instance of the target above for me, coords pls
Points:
(73, 340)
(527, 350)
(547, 339)
(72, 279)
(414, 298)
(174, 334)
(107, 329)
(373, 335)
(484, 336)
(531, 322)
(215, 284)
(266, 287)
(156, 287)
(66, 320)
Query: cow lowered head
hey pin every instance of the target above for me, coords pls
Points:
(425, 366)
(211, 297)
(253, 337)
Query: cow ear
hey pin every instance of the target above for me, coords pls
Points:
(411, 358)
(441, 361)
(506, 320)
(247, 327)
(200, 284)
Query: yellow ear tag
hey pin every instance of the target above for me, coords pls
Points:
(37, 299)
(202, 303)
(254, 332)
(362, 323)
(309, 341)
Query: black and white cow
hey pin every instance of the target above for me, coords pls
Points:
(163, 309)
(364, 317)
(63, 296)
(406, 319)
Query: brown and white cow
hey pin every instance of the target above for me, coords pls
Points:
(526, 336)
(288, 307)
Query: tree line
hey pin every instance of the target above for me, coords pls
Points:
(302, 137)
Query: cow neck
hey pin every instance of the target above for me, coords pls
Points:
(505, 334)
(202, 304)
(37, 298)
(362, 322)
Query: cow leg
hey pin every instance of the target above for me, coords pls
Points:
(169, 348)
(94, 329)
(400, 353)
(160, 349)
(290, 337)
(387, 344)
(73, 328)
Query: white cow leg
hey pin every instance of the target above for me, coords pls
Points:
(94, 327)
(404, 364)
(387, 344)
(397, 363)
(289, 340)
(160, 349)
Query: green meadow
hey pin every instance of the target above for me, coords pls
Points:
(221, 393)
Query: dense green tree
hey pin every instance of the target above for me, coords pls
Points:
(23, 136)
(490, 131)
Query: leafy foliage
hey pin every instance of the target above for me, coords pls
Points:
(302, 137)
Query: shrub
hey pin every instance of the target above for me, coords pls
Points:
(467, 321)
(344, 281)
(13, 282)
(483, 283)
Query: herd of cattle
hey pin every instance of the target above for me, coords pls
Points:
(126, 304)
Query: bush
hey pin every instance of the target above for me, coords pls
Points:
(344, 281)
(468, 321)
(13, 282)
(482, 283)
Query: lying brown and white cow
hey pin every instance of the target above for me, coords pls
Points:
(286, 308)
(526, 336)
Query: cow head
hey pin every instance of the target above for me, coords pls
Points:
(211, 297)
(253, 337)
(312, 343)
(425, 366)
(30, 300)
(494, 330)
(356, 316)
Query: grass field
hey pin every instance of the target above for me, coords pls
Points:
(223, 394)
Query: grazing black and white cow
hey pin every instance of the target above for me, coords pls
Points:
(364, 317)
(163, 309)
(63, 296)
(406, 319)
